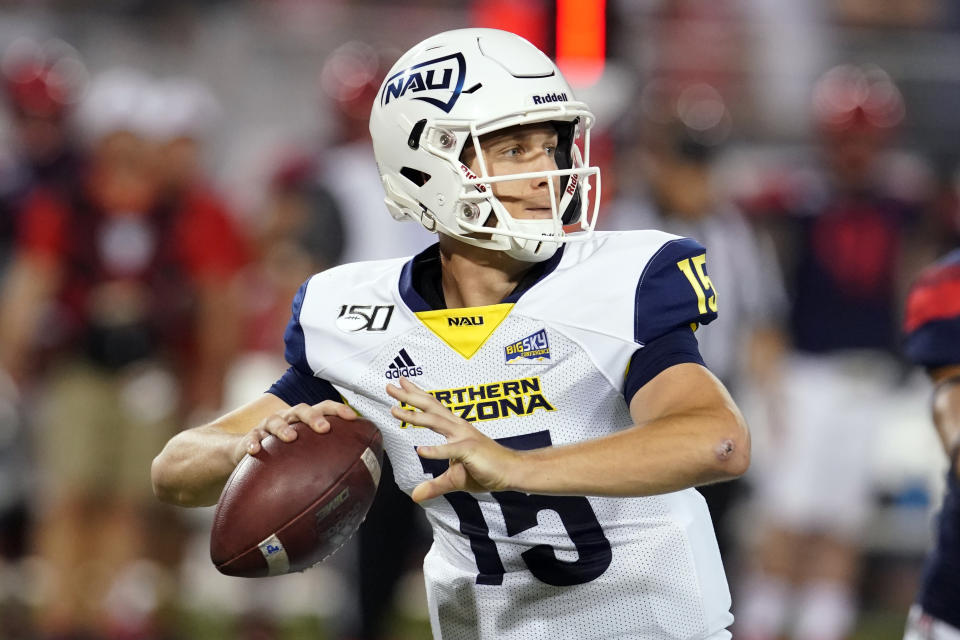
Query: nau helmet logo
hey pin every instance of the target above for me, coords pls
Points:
(534, 349)
(438, 82)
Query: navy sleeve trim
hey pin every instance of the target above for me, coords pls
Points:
(296, 349)
(296, 386)
(674, 290)
(676, 347)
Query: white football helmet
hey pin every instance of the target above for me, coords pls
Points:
(456, 87)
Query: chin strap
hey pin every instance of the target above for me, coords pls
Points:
(533, 250)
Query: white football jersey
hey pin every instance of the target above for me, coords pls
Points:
(546, 368)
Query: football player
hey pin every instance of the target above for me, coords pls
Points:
(846, 241)
(932, 328)
(539, 393)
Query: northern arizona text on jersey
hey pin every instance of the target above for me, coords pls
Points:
(546, 368)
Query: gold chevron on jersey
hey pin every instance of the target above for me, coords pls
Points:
(465, 330)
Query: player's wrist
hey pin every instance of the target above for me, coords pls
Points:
(538, 471)
(516, 475)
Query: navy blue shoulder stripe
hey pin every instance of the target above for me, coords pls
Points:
(295, 387)
(674, 290)
(294, 341)
(675, 347)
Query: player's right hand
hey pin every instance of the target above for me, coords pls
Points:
(279, 424)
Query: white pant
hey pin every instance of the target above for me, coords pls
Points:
(816, 476)
(922, 626)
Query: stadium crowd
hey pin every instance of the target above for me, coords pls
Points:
(153, 231)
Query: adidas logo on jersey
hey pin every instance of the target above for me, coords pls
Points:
(534, 349)
(403, 365)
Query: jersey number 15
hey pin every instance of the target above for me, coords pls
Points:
(519, 514)
(700, 281)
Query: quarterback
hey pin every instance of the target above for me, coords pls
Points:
(540, 393)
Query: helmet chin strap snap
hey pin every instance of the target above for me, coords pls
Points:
(534, 250)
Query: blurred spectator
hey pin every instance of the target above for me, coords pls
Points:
(682, 133)
(40, 84)
(324, 207)
(116, 300)
(847, 249)
(947, 224)
(391, 541)
(299, 233)
(181, 115)
(350, 80)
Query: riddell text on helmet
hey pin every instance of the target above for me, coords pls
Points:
(550, 97)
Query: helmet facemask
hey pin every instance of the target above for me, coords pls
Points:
(483, 220)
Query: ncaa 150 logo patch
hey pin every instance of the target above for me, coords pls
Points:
(438, 82)
(534, 349)
(364, 317)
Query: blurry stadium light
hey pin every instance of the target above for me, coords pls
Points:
(581, 40)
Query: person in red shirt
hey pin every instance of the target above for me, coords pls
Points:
(39, 85)
(115, 305)
(850, 225)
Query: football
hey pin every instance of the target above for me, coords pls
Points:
(292, 504)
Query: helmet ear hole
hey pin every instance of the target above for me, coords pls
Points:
(415, 176)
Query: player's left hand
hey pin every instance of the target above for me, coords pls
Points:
(477, 463)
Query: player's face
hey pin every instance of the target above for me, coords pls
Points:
(522, 149)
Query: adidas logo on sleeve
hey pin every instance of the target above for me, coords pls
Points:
(403, 365)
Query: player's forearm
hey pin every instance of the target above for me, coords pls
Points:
(663, 455)
(194, 465)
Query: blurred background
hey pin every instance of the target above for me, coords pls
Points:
(171, 172)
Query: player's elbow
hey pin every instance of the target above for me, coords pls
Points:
(162, 479)
(167, 488)
(730, 457)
